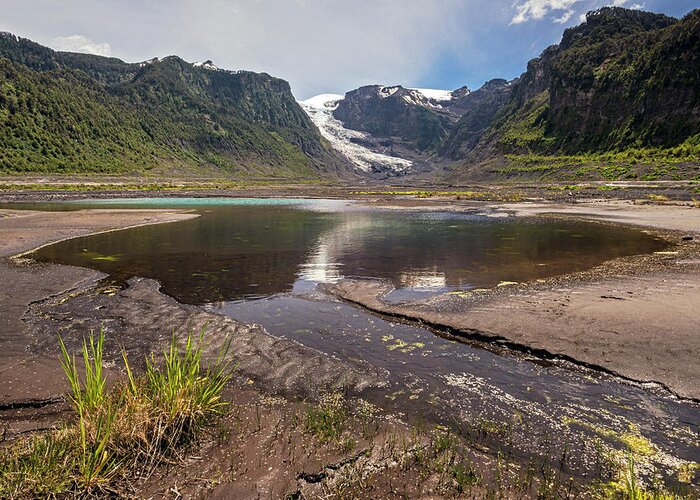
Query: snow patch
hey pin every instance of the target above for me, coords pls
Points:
(320, 109)
(205, 65)
(435, 94)
(150, 61)
(323, 101)
(387, 91)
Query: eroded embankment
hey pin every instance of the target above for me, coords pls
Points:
(141, 320)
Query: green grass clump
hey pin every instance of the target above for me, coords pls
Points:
(121, 434)
(33, 467)
(182, 394)
(626, 486)
(327, 419)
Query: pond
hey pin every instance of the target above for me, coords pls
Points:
(242, 248)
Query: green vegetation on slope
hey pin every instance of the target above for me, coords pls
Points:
(61, 121)
(62, 112)
(681, 162)
(623, 80)
(620, 90)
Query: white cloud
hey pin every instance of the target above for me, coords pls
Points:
(623, 3)
(534, 10)
(329, 45)
(81, 43)
(530, 10)
(564, 17)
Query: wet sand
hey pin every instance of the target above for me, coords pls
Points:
(28, 381)
(676, 217)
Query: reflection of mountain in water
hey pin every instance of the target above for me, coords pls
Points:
(343, 239)
(235, 252)
(447, 252)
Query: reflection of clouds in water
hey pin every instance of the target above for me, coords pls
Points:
(423, 279)
(320, 267)
(323, 265)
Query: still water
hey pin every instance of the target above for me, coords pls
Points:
(260, 261)
(243, 250)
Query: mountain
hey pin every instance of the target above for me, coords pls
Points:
(388, 130)
(64, 112)
(622, 76)
(478, 109)
(618, 97)
(624, 84)
(411, 118)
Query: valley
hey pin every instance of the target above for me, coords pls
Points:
(214, 284)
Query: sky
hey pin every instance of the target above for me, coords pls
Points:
(320, 46)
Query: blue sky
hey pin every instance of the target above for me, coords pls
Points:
(500, 47)
(320, 46)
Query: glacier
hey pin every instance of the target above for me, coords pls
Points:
(320, 110)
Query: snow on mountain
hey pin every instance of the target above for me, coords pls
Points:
(428, 98)
(388, 91)
(320, 110)
(322, 101)
(435, 94)
(149, 61)
(205, 65)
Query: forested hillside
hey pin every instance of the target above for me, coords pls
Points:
(623, 88)
(63, 112)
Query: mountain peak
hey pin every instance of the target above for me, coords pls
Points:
(609, 23)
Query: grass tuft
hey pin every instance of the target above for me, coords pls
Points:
(122, 434)
(327, 419)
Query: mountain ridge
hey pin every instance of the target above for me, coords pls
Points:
(163, 114)
(620, 90)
